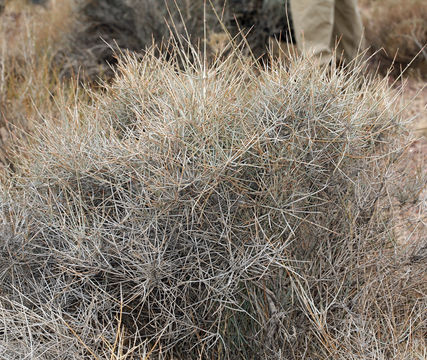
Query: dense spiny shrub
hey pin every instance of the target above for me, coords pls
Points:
(199, 212)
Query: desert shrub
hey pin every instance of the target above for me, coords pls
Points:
(104, 28)
(30, 38)
(397, 32)
(201, 211)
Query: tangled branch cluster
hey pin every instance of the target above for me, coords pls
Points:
(196, 211)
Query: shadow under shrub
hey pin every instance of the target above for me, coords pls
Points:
(198, 212)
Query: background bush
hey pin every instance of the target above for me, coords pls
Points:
(103, 27)
(397, 31)
(30, 38)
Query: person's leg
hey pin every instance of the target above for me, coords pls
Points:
(313, 22)
(348, 29)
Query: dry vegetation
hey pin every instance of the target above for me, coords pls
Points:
(104, 27)
(195, 209)
(397, 32)
(29, 78)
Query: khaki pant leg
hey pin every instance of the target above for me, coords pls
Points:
(348, 29)
(313, 24)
